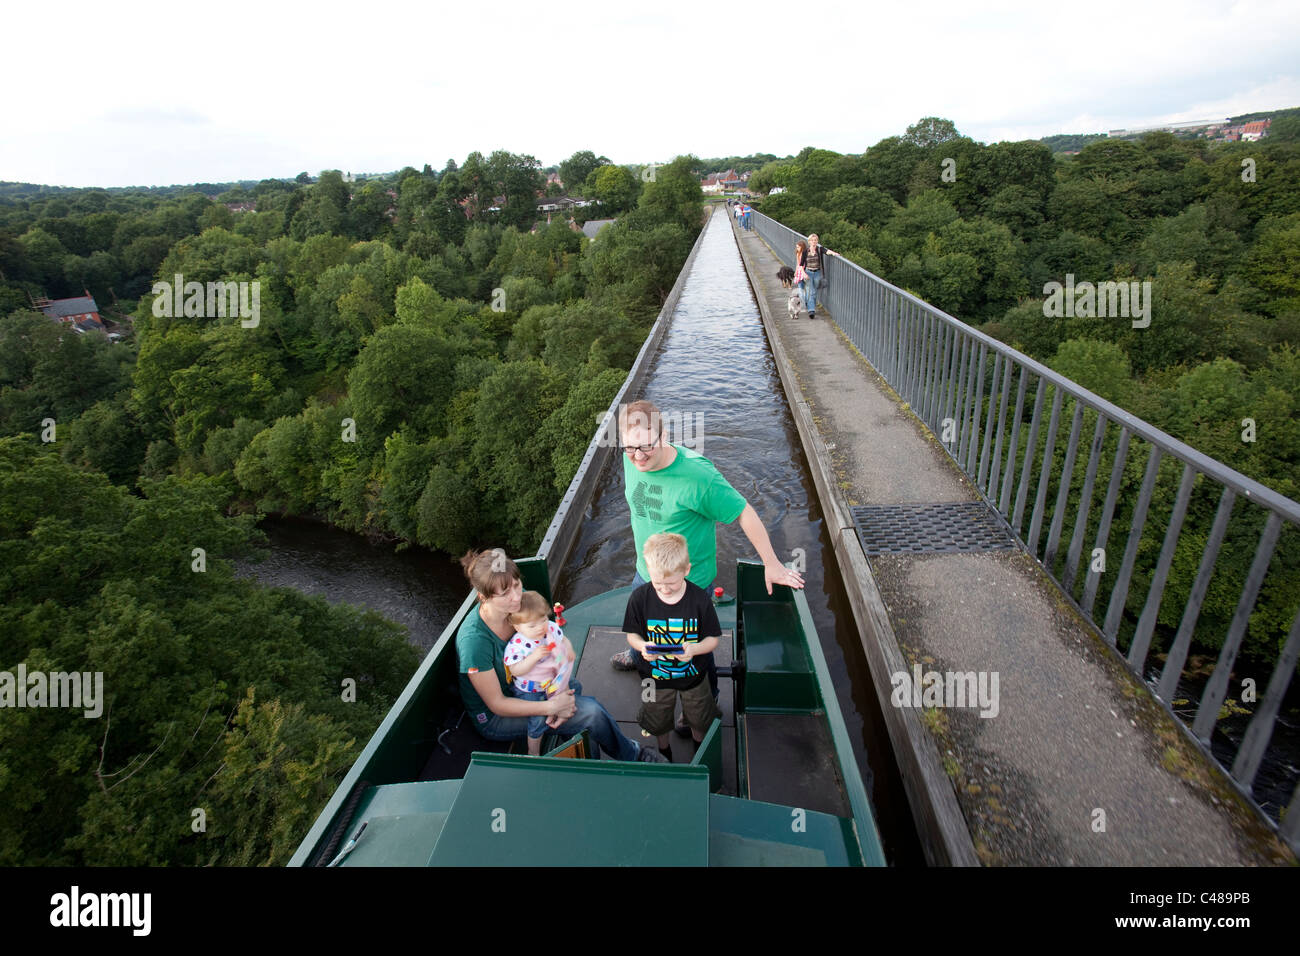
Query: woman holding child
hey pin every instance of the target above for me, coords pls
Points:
(496, 711)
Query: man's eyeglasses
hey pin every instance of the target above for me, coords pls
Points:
(643, 449)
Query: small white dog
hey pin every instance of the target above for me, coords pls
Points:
(794, 305)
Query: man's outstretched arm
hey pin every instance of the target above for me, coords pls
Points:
(774, 572)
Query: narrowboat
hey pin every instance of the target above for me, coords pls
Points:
(773, 783)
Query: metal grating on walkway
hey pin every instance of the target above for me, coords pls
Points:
(931, 528)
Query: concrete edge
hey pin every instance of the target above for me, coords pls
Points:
(941, 826)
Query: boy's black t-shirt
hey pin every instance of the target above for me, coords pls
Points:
(690, 619)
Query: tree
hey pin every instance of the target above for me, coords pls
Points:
(1271, 263)
(44, 255)
(518, 179)
(931, 131)
(367, 215)
(1018, 208)
(569, 429)
(674, 195)
(633, 263)
(404, 374)
(508, 451)
(106, 438)
(575, 170)
(614, 187)
(406, 471)
(817, 175)
(1189, 322)
(229, 376)
(279, 763)
(861, 205)
(1100, 367)
(1285, 128)
(49, 370)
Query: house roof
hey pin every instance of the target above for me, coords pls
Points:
(593, 226)
(60, 308)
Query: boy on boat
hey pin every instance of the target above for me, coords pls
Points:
(670, 622)
(539, 659)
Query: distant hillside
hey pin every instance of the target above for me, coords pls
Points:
(1267, 114)
(15, 190)
(1070, 142)
(741, 164)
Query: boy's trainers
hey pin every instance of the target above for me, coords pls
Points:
(622, 661)
(650, 754)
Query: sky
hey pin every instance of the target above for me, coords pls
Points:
(146, 93)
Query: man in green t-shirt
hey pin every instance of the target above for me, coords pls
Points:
(670, 488)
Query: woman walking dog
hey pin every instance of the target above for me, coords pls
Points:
(809, 262)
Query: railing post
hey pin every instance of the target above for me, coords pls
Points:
(1119, 593)
(1009, 473)
(1063, 493)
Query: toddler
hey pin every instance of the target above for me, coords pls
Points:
(538, 660)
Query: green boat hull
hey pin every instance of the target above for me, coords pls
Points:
(774, 782)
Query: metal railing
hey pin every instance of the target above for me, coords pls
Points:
(963, 385)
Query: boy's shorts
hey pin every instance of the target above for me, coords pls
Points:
(698, 707)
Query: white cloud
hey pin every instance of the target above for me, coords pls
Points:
(248, 90)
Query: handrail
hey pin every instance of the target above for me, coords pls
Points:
(1288, 508)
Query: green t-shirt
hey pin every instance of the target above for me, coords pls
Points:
(688, 498)
(477, 646)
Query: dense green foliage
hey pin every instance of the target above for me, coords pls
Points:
(416, 318)
(219, 695)
(1070, 142)
(1219, 246)
(741, 164)
(425, 368)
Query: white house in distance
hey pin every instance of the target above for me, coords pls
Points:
(562, 203)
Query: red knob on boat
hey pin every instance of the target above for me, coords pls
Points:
(717, 592)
